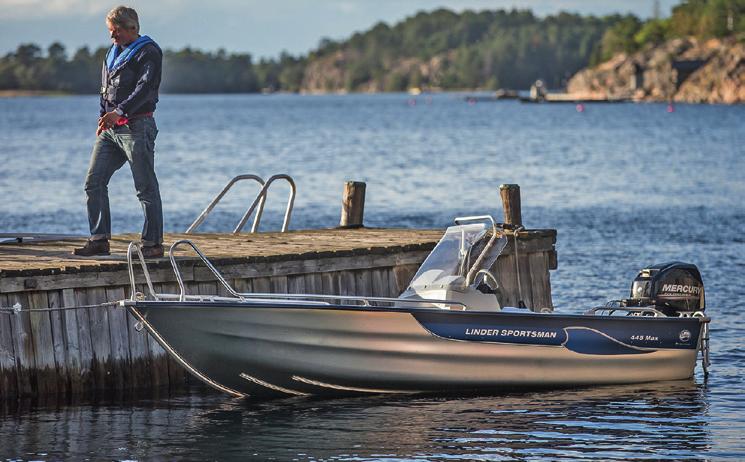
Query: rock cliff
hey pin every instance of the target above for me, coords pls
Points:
(683, 70)
(337, 73)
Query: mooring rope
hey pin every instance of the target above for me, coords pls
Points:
(521, 302)
(18, 308)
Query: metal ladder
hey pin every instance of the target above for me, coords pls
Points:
(135, 248)
(259, 202)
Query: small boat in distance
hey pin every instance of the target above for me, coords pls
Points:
(446, 333)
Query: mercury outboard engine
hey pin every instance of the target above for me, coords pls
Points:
(673, 288)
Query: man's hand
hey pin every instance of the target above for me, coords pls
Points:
(107, 121)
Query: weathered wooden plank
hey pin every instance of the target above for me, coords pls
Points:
(553, 260)
(41, 335)
(262, 285)
(363, 283)
(119, 339)
(392, 283)
(58, 339)
(24, 347)
(404, 274)
(526, 283)
(158, 363)
(8, 371)
(313, 283)
(310, 265)
(242, 285)
(337, 278)
(206, 288)
(176, 375)
(539, 264)
(222, 291)
(158, 357)
(70, 340)
(379, 283)
(278, 284)
(309, 284)
(296, 284)
(139, 354)
(507, 278)
(525, 246)
(330, 286)
(327, 284)
(100, 333)
(347, 283)
(85, 342)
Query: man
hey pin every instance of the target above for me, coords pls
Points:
(126, 133)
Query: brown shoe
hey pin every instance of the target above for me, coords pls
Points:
(92, 248)
(152, 251)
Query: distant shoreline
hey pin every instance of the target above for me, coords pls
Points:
(9, 94)
(18, 93)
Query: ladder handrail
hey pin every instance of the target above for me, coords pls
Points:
(205, 260)
(134, 246)
(202, 216)
(260, 199)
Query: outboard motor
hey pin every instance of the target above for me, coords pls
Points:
(673, 288)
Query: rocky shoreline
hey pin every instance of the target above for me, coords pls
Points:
(680, 70)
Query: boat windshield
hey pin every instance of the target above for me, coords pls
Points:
(452, 258)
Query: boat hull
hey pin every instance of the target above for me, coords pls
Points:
(267, 349)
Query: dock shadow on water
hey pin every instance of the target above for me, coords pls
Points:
(648, 421)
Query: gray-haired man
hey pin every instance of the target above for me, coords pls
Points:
(126, 133)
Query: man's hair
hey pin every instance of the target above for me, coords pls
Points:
(125, 17)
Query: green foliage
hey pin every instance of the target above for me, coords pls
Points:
(291, 72)
(620, 37)
(397, 82)
(194, 71)
(474, 49)
(654, 31)
(27, 69)
(708, 18)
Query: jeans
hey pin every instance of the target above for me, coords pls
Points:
(133, 143)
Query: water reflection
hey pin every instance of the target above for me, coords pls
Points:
(655, 421)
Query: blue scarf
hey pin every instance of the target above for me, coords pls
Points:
(116, 59)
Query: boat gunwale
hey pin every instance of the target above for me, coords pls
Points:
(246, 304)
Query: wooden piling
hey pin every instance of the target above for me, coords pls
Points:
(353, 205)
(510, 194)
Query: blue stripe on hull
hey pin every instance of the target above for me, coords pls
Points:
(592, 342)
(586, 335)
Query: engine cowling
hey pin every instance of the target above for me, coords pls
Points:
(672, 288)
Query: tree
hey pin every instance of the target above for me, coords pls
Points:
(620, 37)
(655, 32)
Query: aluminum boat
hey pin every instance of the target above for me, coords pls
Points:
(446, 333)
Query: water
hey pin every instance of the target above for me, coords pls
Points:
(625, 185)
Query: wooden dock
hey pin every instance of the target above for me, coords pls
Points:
(50, 343)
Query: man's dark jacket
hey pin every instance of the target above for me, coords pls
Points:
(133, 87)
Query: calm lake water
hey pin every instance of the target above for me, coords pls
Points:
(625, 185)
